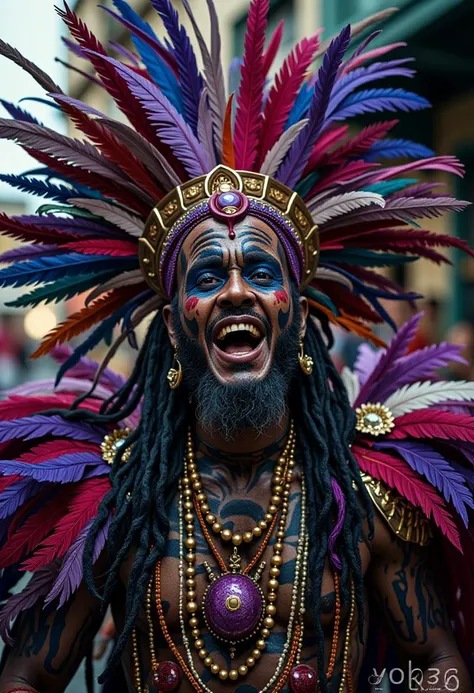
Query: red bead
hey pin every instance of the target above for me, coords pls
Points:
(167, 677)
(303, 679)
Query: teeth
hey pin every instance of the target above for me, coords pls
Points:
(238, 327)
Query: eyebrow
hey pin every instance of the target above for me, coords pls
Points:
(203, 239)
(208, 257)
(256, 235)
(255, 254)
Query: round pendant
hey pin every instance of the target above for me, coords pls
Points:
(303, 679)
(233, 607)
(167, 677)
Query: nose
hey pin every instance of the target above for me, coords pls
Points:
(236, 293)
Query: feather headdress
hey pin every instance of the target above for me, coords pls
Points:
(102, 189)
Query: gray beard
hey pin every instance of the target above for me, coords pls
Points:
(255, 404)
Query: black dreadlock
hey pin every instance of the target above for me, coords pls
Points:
(143, 487)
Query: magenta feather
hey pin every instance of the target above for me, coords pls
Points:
(273, 47)
(398, 475)
(360, 58)
(432, 423)
(284, 91)
(249, 119)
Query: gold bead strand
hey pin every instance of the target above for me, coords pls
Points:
(136, 663)
(347, 643)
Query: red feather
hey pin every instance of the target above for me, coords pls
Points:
(112, 81)
(327, 140)
(284, 91)
(398, 475)
(359, 144)
(433, 423)
(56, 448)
(248, 120)
(273, 47)
(31, 233)
(113, 149)
(348, 301)
(16, 406)
(104, 247)
(36, 528)
(82, 507)
(228, 154)
(107, 187)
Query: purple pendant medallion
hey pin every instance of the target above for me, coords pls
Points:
(233, 607)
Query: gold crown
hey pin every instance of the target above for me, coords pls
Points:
(181, 201)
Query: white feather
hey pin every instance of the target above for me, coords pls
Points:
(331, 275)
(351, 382)
(343, 204)
(423, 395)
(116, 215)
(280, 149)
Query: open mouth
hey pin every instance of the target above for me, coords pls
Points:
(239, 339)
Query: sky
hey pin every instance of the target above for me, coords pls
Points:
(33, 27)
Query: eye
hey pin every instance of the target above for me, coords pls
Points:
(207, 281)
(262, 276)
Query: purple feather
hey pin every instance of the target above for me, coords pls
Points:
(38, 426)
(366, 361)
(29, 252)
(15, 495)
(377, 100)
(60, 470)
(72, 573)
(420, 365)
(189, 77)
(293, 166)
(125, 53)
(80, 105)
(362, 75)
(424, 460)
(38, 586)
(347, 63)
(78, 227)
(396, 349)
(73, 47)
(171, 126)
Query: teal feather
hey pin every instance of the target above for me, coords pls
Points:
(62, 289)
(386, 188)
(321, 298)
(365, 258)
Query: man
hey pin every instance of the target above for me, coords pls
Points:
(233, 535)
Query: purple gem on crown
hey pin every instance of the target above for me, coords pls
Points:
(229, 199)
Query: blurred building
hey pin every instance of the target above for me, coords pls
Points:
(439, 37)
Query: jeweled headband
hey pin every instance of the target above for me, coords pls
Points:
(227, 196)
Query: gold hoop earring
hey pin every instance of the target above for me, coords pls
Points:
(306, 362)
(175, 375)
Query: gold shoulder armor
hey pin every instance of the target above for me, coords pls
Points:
(408, 522)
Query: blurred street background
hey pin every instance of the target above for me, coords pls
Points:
(439, 35)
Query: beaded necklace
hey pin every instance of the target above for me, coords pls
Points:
(238, 589)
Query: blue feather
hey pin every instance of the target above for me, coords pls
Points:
(49, 269)
(40, 425)
(40, 188)
(190, 79)
(19, 113)
(104, 332)
(15, 495)
(160, 73)
(377, 100)
(301, 105)
(133, 17)
(397, 148)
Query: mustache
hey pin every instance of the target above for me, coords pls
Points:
(237, 313)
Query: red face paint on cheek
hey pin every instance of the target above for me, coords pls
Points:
(191, 303)
(281, 296)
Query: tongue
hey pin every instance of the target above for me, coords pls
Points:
(242, 348)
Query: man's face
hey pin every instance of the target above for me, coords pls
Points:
(234, 298)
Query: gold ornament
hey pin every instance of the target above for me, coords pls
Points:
(374, 419)
(175, 375)
(306, 362)
(111, 444)
(180, 203)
